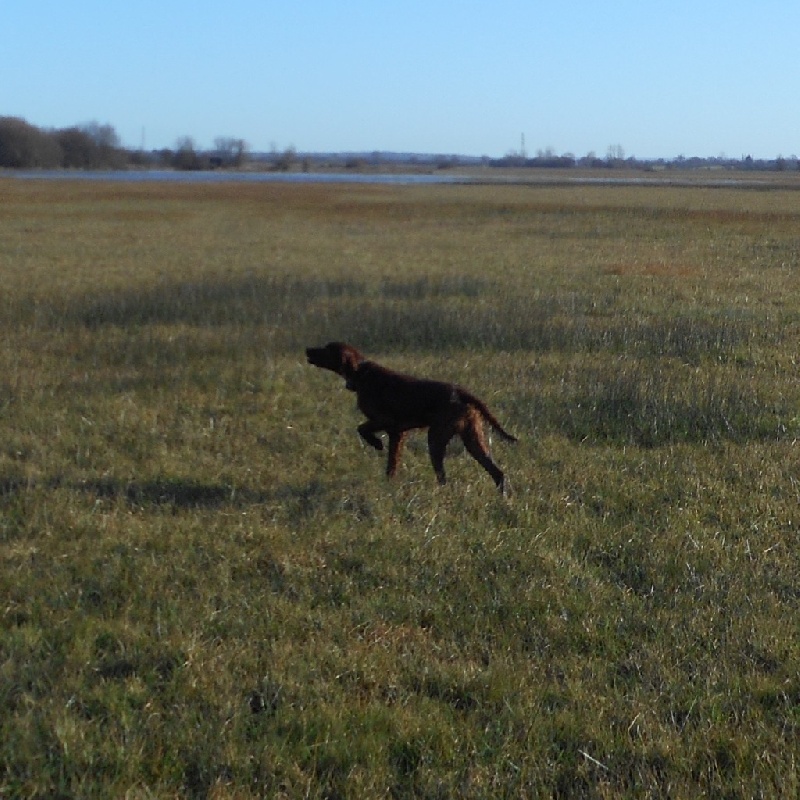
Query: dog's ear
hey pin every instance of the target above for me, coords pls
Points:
(351, 358)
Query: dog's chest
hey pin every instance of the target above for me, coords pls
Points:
(375, 406)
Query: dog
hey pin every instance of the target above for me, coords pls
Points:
(395, 404)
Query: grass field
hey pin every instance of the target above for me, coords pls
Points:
(209, 589)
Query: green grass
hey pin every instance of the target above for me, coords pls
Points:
(210, 590)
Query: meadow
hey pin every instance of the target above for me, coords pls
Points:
(210, 590)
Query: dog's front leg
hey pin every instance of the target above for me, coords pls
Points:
(395, 448)
(367, 431)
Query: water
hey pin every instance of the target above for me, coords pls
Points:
(531, 178)
(169, 176)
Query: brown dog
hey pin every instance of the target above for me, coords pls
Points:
(397, 403)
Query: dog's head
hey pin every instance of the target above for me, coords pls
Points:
(338, 357)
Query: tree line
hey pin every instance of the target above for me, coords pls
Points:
(96, 146)
(616, 159)
(89, 146)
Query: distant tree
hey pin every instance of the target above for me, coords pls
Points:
(104, 136)
(548, 158)
(282, 162)
(513, 159)
(78, 148)
(230, 151)
(165, 157)
(616, 155)
(108, 142)
(446, 162)
(90, 146)
(138, 158)
(592, 160)
(185, 156)
(24, 146)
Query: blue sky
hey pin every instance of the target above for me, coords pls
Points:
(660, 78)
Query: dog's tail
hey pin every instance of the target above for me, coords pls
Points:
(469, 398)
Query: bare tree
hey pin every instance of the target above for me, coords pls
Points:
(230, 151)
(102, 135)
(616, 155)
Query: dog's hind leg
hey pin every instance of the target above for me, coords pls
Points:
(438, 437)
(474, 440)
